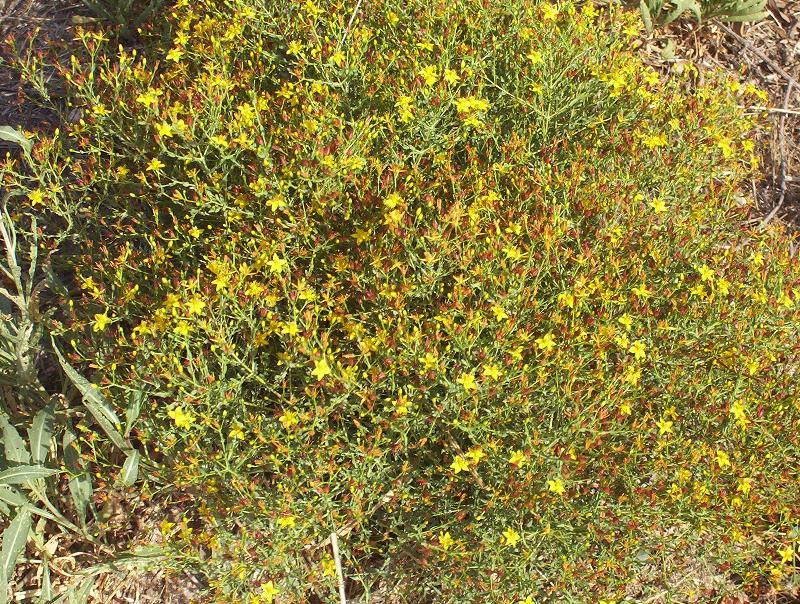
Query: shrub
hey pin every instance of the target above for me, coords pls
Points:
(465, 282)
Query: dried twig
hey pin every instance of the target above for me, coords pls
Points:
(350, 23)
(759, 53)
(782, 178)
(780, 110)
(339, 572)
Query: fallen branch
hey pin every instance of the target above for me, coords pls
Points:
(339, 572)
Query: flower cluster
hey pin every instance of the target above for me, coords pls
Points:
(465, 280)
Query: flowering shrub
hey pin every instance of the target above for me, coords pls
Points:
(465, 282)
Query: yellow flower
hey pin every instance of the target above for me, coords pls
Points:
(277, 202)
(664, 426)
(268, 592)
(492, 371)
(566, 299)
(36, 197)
(459, 464)
(277, 265)
(429, 361)
(195, 305)
(182, 328)
(288, 419)
(404, 108)
(642, 292)
(511, 537)
(744, 486)
(499, 312)
(429, 74)
(445, 541)
(149, 98)
(321, 369)
(556, 485)
(287, 521)
(655, 140)
(786, 554)
(626, 321)
(512, 253)
(549, 12)
(723, 461)
(469, 104)
(625, 409)
(738, 411)
(475, 454)
(450, 76)
(361, 235)
(392, 201)
(174, 54)
(547, 342)
(658, 206)
(517, 458)
(101, 321)
(638, 350)
(467, 380)
(698, 290)
(290, 329)
(182, 419)
(164, 130)
(706, 274)
(338, 58)
(535, 57)
(155, 165)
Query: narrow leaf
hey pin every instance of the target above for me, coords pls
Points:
(14, 446)
(22, 474)
(130, 469)
(12, 496)
(7, 133)
(95, 402)
(135, 399)
(80, 485)
(46, 593)
(81, 594)
(14, 539)
(41, 432)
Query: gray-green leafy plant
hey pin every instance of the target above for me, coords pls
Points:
(658, 13)
(39, 441)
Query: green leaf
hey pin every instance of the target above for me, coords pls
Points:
(14, 539)
(81, 594)
(41, 432)
(14, 446)
(646, 17)
(7, 133)
(95, 402)
(130, 469)
(46, 592)
(135, 399)
(80, 485)
(12, 496)
(22, 474)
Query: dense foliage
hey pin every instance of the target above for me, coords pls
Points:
(465, 282)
